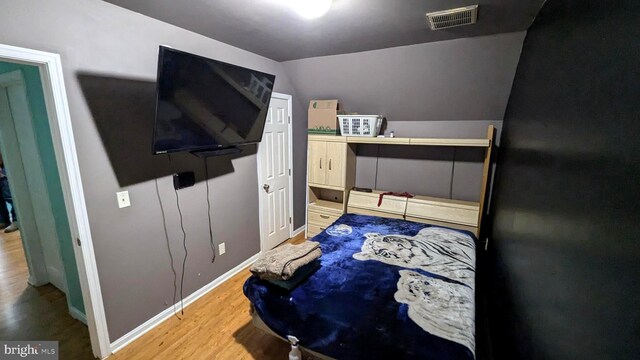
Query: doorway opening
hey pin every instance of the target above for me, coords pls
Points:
(43, 300)
(38, 148)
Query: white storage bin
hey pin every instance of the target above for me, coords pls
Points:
(360, 125)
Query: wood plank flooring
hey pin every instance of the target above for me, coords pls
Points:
(30, 313)
(217, 326)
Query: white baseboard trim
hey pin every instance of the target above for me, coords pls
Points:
(77, 314)
(297, 231)
(167, 313)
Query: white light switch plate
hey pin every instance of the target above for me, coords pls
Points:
(222, 249)
(123, 199)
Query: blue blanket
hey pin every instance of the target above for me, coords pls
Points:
(386, 289)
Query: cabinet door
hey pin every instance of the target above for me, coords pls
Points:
(336, 154)
(317, 162)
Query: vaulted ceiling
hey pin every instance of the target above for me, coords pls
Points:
(272, 29)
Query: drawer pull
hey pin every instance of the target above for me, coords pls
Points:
(324, 216)
(329, 164)
(320, 163)
(322, 229)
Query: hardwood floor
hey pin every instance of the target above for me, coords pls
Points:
(217, 326)
(30, 313)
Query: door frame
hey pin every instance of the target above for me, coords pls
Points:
(57, 105)
(31, 228)
(289, 100)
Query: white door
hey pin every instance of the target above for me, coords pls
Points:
(28, 188)
(274, 175)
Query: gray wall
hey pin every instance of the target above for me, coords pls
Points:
(564, 258)
(109, 56)
(444, 89)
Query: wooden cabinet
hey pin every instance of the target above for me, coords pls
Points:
(336, 154)
(326, 163)
(320, 215)
(317, 154)
(331, 173)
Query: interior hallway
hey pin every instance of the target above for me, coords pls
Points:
(30, 313)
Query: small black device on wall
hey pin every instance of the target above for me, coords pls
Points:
(183, 180)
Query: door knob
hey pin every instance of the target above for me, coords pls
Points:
(266, 187)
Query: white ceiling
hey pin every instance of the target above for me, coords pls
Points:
(270, 28)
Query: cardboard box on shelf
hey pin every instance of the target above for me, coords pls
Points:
(323, 117)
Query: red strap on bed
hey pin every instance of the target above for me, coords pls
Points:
(405, 194)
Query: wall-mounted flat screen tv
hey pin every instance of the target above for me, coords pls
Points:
(204, 104)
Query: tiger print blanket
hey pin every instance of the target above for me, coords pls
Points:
(443, 308)
(386, 288)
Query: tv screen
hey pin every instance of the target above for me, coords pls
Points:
(205, 104)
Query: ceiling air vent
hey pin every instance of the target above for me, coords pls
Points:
(453, 17)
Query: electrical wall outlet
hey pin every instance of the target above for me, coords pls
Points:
(222, 249)
(123, 199)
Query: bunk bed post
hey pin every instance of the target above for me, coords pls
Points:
(485, 176)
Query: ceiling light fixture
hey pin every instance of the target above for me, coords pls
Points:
(311, 9)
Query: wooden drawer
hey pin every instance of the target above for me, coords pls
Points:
(313, 229)
(360, 211)
(450, 211)
(390, 204)
(324, 219)
(326, 207)
(471, 229)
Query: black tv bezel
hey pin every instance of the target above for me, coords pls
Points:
(161, 52)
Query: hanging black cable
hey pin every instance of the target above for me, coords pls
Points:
(184, 245)
(206, 180)
(166, 236)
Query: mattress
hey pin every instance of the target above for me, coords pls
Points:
(386, 288)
